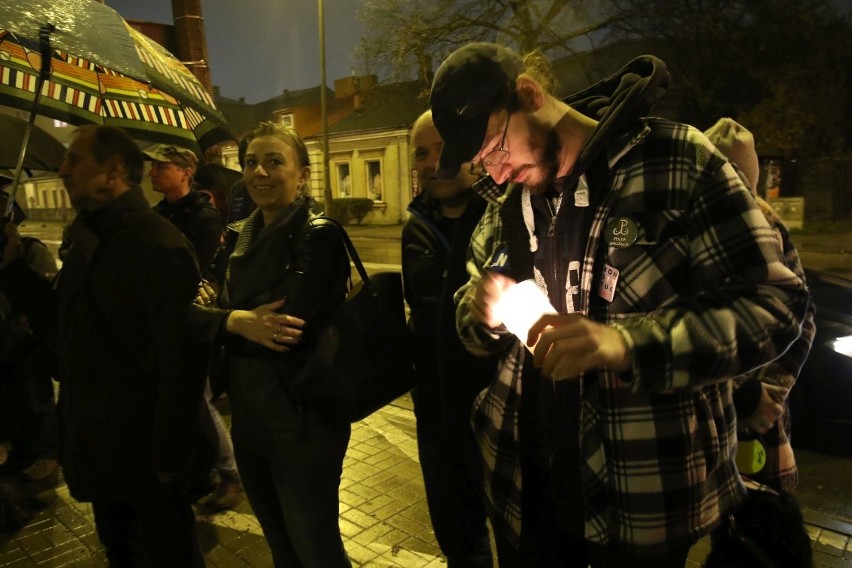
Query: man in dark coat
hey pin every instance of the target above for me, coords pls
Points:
(130, 382)
(434, 247)
(172, 171)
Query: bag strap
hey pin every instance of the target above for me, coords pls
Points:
(350, 248)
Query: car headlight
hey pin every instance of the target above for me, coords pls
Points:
(843, 345)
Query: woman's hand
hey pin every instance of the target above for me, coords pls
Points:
(206, 294)
(264, 326)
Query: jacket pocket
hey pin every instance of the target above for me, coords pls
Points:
(654, 269)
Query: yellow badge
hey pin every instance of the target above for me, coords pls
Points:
(751, 456)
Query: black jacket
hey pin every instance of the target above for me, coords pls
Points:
(305, 262)
(131, 383)
(433, 268)
(198, 219)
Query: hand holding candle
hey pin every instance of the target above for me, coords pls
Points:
(520, 306)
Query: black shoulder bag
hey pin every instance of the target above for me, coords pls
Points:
(362, 358)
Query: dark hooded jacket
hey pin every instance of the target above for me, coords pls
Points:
(433, 268)
(198, 219)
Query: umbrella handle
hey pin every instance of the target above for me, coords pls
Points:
(44, 74)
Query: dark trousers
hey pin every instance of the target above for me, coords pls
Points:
(292, 485)
(452, 474)
(156, 530)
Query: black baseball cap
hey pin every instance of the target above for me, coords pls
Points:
(470, 83)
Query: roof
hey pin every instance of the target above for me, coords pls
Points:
(312, 96)
(385, 107)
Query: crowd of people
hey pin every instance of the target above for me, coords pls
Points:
(605, 435)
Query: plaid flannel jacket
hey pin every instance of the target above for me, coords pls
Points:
(703, 296)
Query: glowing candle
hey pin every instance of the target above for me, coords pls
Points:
(521, 306)
(843, 345)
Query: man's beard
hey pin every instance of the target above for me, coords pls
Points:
(547, 165)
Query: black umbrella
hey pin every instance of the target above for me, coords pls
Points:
(44, 152)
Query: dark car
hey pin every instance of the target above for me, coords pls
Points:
(821, 401)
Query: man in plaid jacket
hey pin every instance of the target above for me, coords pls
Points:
(611, 440)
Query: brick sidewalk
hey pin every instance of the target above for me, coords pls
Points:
(383, 515)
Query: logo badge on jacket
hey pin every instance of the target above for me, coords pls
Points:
(621, 232)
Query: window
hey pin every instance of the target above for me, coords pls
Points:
(374, 179)
(287, 120)
(344, 179)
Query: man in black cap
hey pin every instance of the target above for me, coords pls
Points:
(611, 440)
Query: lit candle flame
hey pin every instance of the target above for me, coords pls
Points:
(520, 306)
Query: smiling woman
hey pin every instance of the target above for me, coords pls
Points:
(289, 458)
(277, 169)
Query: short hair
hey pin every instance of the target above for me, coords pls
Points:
(286, 133)
(109, 141)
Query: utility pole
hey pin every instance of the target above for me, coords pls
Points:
(325, 167)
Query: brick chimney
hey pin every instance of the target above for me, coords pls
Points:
(191, 39)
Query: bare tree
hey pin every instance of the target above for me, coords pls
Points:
(777, 65)
(403, 35)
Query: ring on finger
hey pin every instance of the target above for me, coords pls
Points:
(275, 336)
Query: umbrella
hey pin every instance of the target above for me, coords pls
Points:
(44, 152)
(103, 72)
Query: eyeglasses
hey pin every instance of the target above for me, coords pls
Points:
(496, 157)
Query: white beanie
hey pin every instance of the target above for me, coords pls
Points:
(737, 144)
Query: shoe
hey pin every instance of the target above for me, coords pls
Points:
(41, 469)
(226, 495)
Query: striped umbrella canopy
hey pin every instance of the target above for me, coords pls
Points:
(104, 72)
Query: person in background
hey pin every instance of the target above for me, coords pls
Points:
(434, 248)
(172, 171)
(36, 253)
(287, 273)
(760, 397)
(27, 406)
(191, 211)
(130, 380)
(216, 180)
(240, 204)
(610, 440)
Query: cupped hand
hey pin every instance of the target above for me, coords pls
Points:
(567, 345)
(768, 410)
(265, 326)
(486, 295)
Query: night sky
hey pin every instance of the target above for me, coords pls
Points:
(258, 48)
